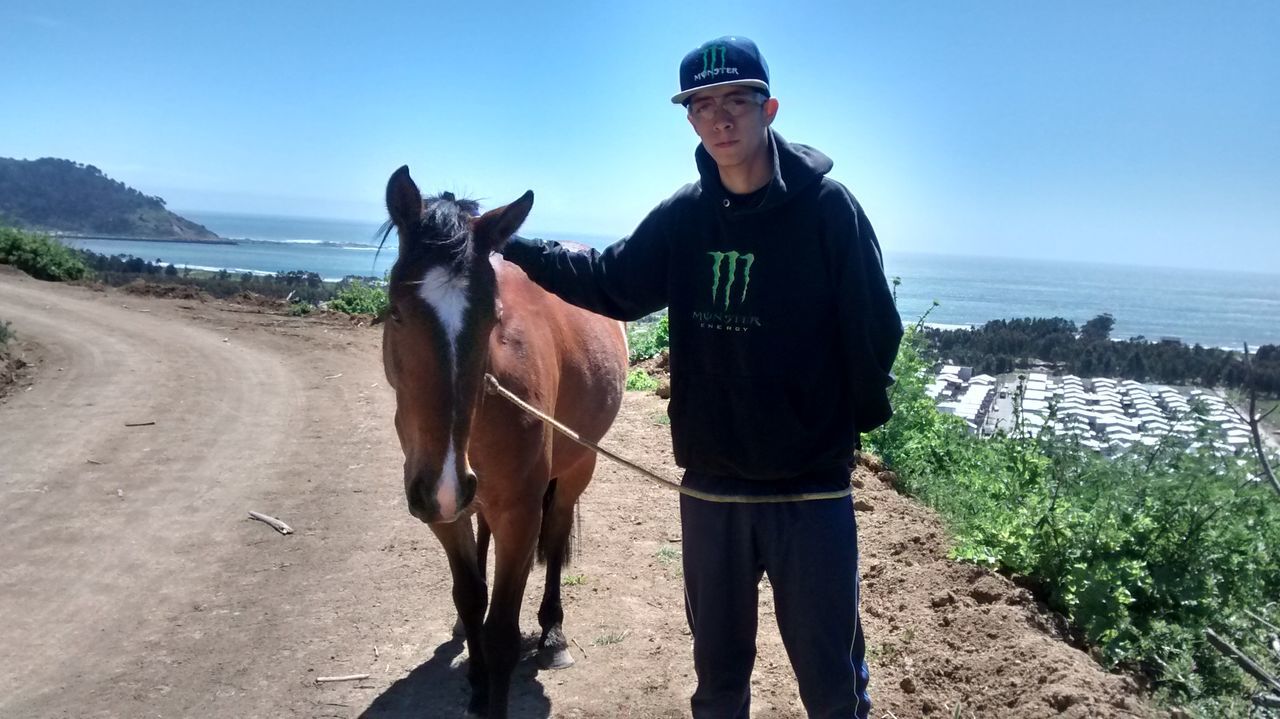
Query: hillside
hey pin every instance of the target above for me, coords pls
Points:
(58, 195)
(131, 545)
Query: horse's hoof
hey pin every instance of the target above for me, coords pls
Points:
(554, 658)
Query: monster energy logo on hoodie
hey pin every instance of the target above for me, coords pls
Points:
(724, 274)
(713, 63)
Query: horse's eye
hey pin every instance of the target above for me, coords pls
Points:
(395, 314)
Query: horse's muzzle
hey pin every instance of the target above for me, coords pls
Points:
(434, 502)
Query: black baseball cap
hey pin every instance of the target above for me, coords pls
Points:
(729, 60)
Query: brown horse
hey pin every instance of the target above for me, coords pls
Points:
(456, 312)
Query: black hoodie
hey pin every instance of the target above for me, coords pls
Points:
(783, 329)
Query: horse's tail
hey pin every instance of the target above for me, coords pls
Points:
(544, 532)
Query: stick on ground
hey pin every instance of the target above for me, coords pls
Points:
(348, 678)
(279, 526)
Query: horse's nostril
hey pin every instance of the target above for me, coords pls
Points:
(421, 504)
(469, 486)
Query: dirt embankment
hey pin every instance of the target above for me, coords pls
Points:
(14, 366)
(133, 584)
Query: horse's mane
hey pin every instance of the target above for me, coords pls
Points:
(445, 229)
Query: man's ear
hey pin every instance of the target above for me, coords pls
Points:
(404, 200)
(770, 108)
(492, 229)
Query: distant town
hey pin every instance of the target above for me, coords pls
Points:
(1106, 415)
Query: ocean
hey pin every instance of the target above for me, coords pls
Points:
(1210, 307)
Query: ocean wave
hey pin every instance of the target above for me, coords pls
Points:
(943, 326)
(230, 270)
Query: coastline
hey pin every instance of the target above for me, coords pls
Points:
(127, 238)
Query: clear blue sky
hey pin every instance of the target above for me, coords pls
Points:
(1136, 132)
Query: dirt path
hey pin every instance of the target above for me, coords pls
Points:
(135, 586)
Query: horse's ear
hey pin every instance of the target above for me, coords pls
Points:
(404, 200)
(495, 227)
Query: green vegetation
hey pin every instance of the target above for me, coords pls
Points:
(640, 381)
(668, 554)
(40, 256)
(1001, 345)
(647, 337)
(6, 334)
(54, 194)
(298, 286)
(1142, 552)
(360, 298)
(605, 640)
(573, 580)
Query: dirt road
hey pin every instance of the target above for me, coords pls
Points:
(132, 583)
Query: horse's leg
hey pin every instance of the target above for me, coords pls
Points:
(515, 533)
(470, 596)
(482, 559)
(557, 525)
(482, 543)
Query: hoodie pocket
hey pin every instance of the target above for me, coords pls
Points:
(753, 427)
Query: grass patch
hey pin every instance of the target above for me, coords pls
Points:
(667, 555)
(573, 580)
(605, 640)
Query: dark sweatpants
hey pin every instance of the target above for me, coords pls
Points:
(810, 552)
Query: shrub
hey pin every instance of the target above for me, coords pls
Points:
(6, 334)
(1143, 552)
(298, 309)
(40, 256)
(647, 338)
(360, 298)
(639, 380)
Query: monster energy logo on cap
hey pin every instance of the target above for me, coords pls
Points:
(717, 259)
(713, 62)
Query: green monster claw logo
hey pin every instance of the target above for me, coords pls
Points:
(733, 257)
(714, 62)
(713, 58)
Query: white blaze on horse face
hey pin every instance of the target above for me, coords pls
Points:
(447, 487)
(446, 295)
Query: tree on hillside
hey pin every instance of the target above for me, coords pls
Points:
(997, 346)
(1098, 329)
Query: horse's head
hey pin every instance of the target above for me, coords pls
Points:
(443, 306)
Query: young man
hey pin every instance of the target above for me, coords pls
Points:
(783, 334)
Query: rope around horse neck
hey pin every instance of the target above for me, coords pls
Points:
(493, 387)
